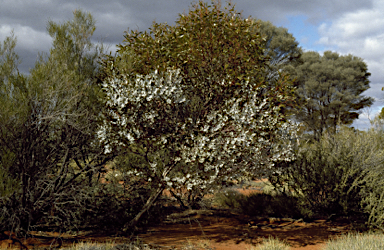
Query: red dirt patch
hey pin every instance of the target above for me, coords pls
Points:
(223, 231)
(232, 231)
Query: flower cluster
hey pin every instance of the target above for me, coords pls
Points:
(243, 136)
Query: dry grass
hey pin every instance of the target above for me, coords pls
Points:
(357, 242)
(271, 244)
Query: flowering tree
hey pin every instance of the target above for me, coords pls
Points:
(242, 138)
(196, 108)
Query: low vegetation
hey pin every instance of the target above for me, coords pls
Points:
(259, 204)
(339, 176)
(350, 241)
(271, 244)
(346, 242)
(357, 242)
(170, 112)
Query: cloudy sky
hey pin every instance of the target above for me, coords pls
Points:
(345, 26)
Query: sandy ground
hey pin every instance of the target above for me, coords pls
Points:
(220, 229)
(230, 231)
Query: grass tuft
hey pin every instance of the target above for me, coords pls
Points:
(200, 245)
(135, 245)
(357, 242)
(272, 244)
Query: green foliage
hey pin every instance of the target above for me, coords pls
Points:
(279, 206)
(109, 206)
(47, 129)
(281, 48)
(204, 43)
(196, 103)
(9, 61)
(260, 204)
(330, 176)
(331, 88)
(381, 114)
(373, 182)
(356, 242)
(229, 199)
(209, 45)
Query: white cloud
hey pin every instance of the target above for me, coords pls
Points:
(360, 33)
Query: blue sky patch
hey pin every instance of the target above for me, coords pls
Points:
(305, 33)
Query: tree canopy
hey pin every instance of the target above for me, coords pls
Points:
(330, 88)
(281, 48)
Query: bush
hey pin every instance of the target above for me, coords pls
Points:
(229, 198)
(111, 207)
(48, 127)
(279, 205)
(260, 204)
(330, 176)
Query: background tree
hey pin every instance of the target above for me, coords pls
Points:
(281, 48)
(331, 87)
(381, 114)
(195, 104)
(47, 129)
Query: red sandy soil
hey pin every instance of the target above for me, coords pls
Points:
(229, 231)
(220, 228)
(232, 231)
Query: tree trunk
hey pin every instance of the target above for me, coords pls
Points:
(151, 200)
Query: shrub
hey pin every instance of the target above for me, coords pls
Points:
(260, 204)
(48, 127)
(229, 198)
(330, 176)
(111, 207)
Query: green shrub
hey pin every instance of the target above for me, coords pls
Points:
(373, 183)
(279, 205)
(260, 204)
(357, 242)
(229, 198)
(329, 176)
(111, 207)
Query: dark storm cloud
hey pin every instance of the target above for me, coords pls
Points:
(113, 17)
(316, 11)
(28, 19)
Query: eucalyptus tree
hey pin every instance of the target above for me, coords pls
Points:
(281, 48)
(47, 129)
(331, 87)
(195, 105)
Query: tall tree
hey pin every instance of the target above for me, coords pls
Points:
(47, 129)
(331, 88)
(281, 48)
(196, 104)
